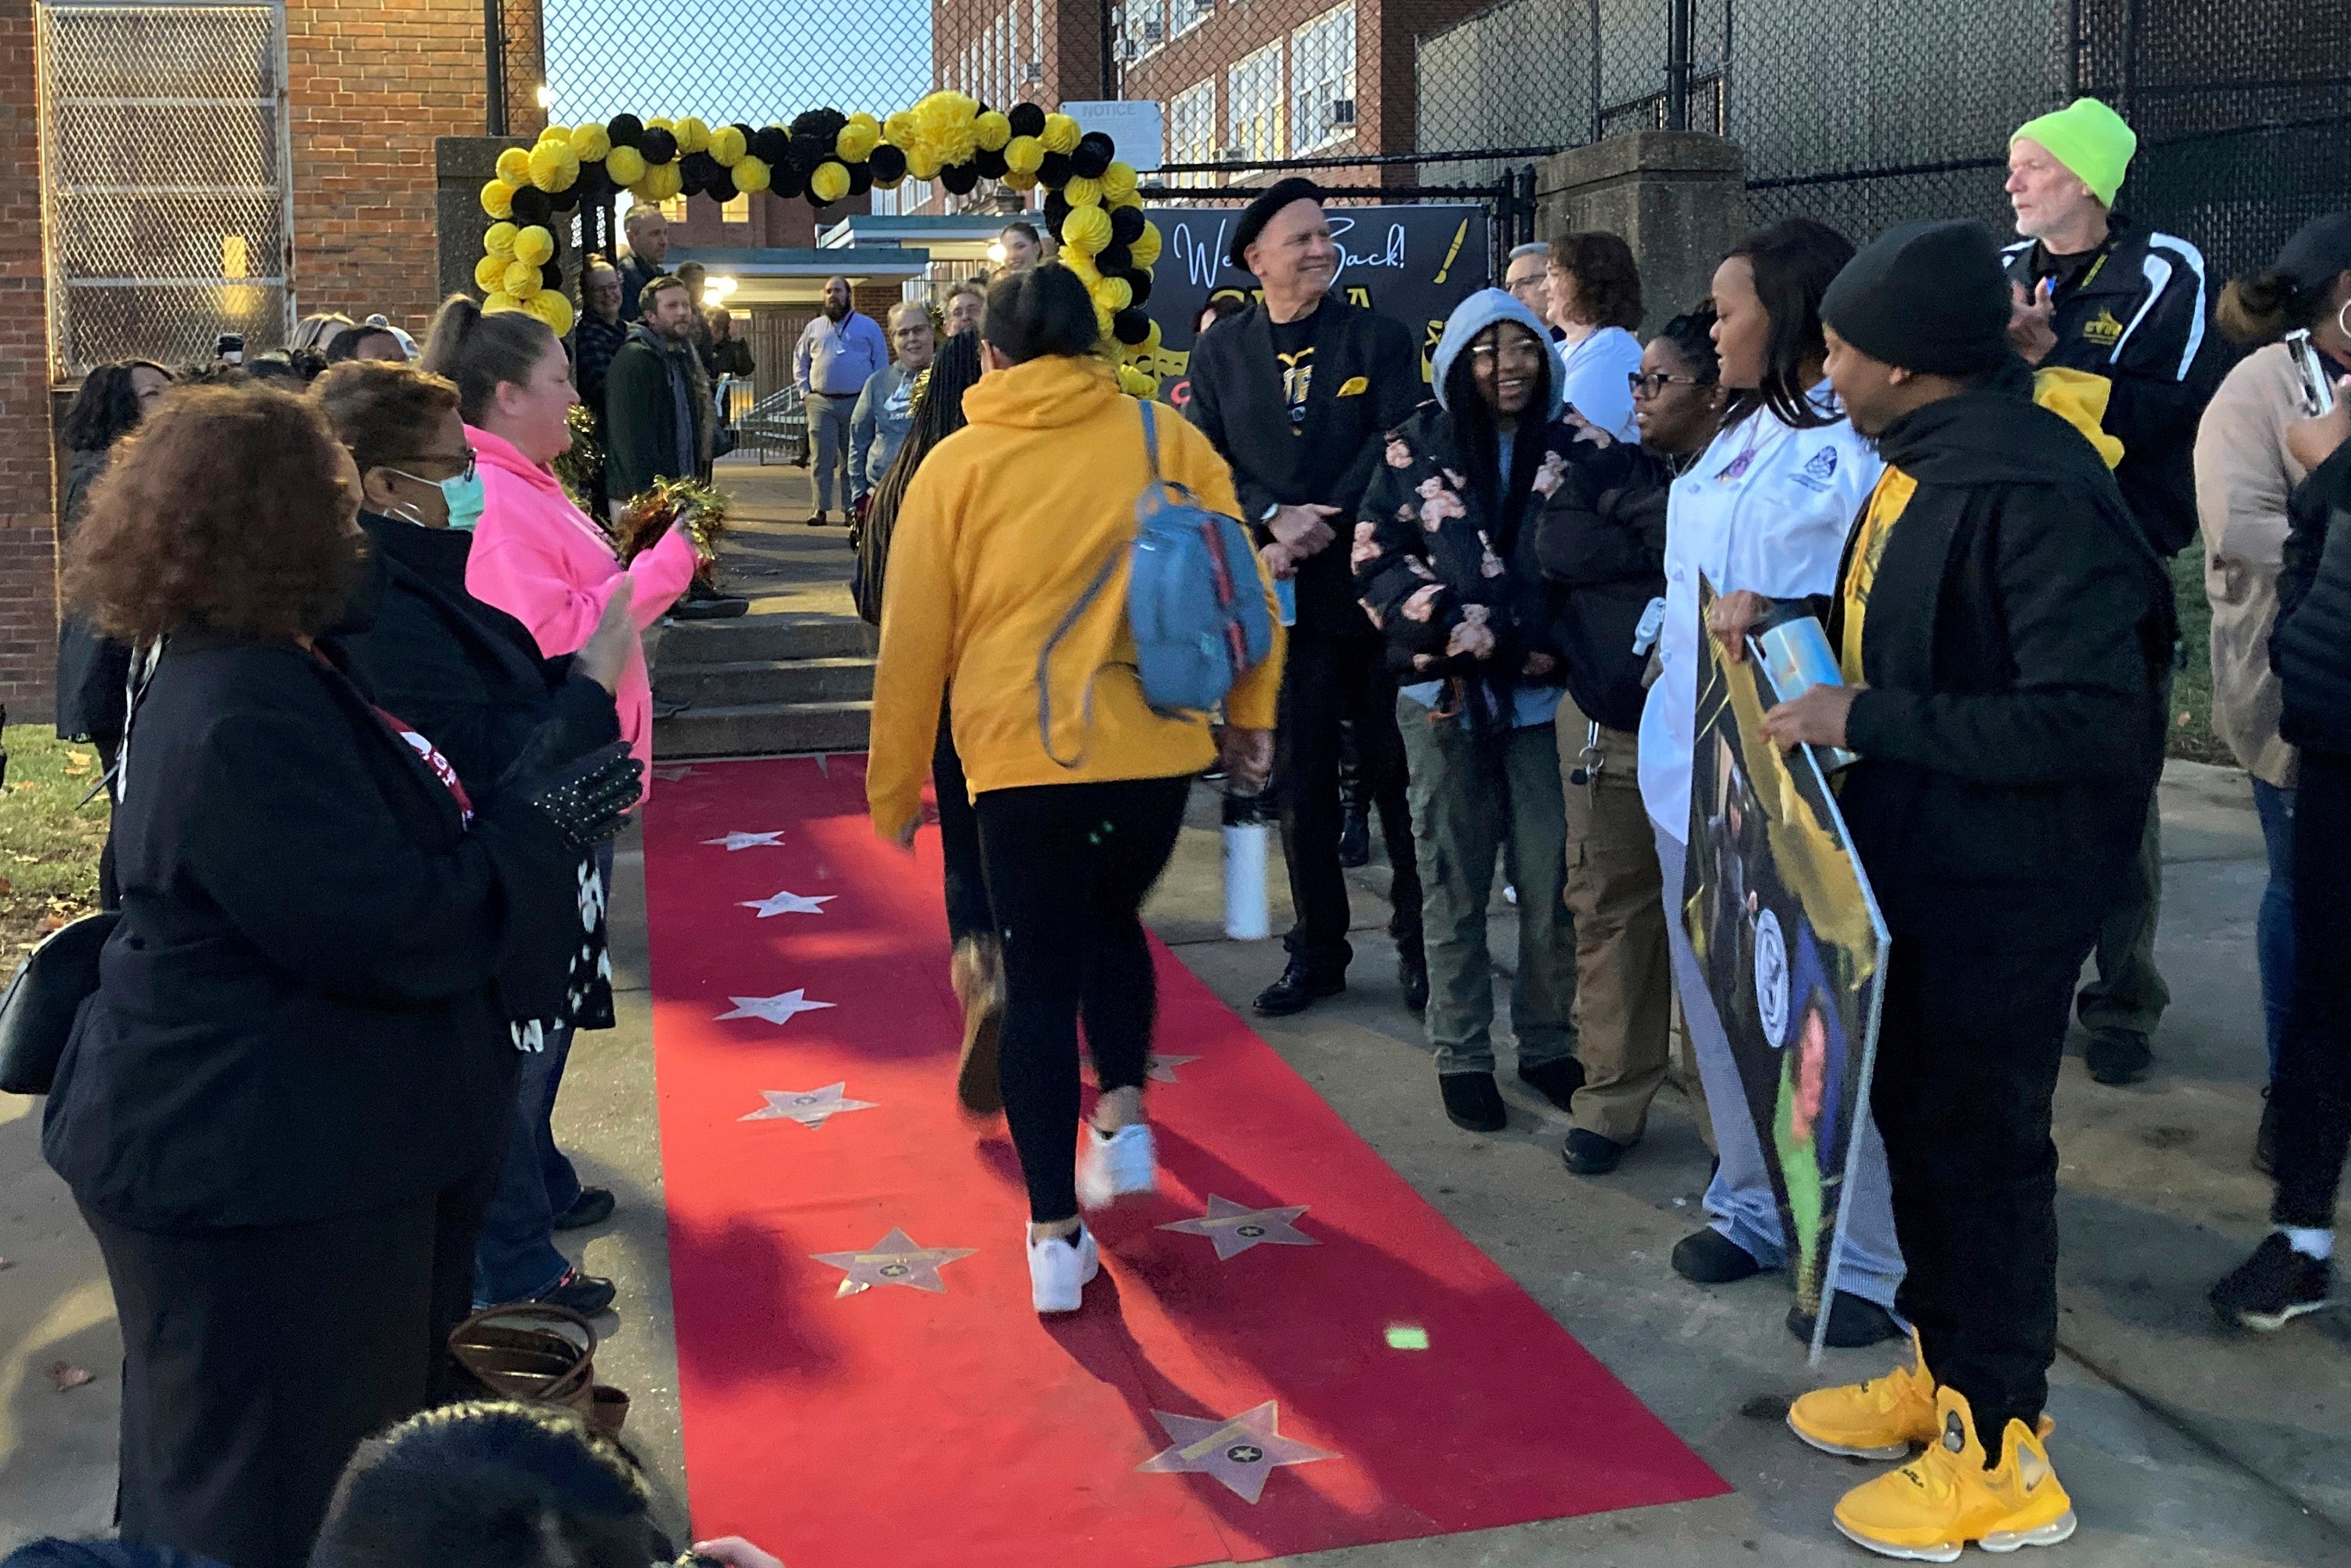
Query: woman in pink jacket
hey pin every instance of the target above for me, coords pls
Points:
(536, 555)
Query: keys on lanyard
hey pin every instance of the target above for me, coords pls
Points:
(1590, 761)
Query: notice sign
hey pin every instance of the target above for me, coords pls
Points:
(1413, 263)
(1136, 126)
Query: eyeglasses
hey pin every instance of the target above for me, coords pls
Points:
(1656, 381)
(465, 473)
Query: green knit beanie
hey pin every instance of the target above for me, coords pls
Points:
(2087, 137)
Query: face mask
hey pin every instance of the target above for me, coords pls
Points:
(464, 495)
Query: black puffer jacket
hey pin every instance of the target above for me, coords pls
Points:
(2311, 648)
(1602, 542)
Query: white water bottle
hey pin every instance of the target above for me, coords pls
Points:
(1246, 917)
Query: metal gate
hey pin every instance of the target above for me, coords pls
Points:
(164, 180)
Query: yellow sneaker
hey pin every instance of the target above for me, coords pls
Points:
(1930, 1508)
(1883, 1418)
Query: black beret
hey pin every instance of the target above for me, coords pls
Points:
(1259, 212)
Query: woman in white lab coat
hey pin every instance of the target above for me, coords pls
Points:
(1766, 509)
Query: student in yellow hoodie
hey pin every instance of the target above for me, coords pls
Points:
(1079, 787)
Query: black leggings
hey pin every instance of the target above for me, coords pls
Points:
(2311, 1090)
(966, 887)
(1068, 867)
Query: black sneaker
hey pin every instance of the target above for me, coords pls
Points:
(1412, 977)
(1556, 1081)
(1298, 989)
(2118, 1056)
(1472, 1103)
(1589, 1153)
(1855, 1321)
(2274, 1286)
(584, 1294)
(592, 1206)
(1707, 1257)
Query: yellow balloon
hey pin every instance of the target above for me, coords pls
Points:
(1061, 133)
(499, 240)
(497, 198)
(1119, 180)
(1112, 294)
(666, 181)
(857, 140)
(514, 166)
(1081, 192)
(1152, 339)
(550, 307)
(499, 299)
(1024, 154)
(591, 143)
(1086, 231)
(552, 166)
(692, 136)
(661, 122)
(626, 165)
(556, 133)
(922, 164)
(992, 131)
(729, 145)
(752, 174)
(1131, 199)
(1020, 180)
(521, 279)
(534, 245)
(489, 273)
(829, 181)
(902, 130)
(1146, 248)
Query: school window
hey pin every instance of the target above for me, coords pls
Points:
(1183, 15)
(1192, 124)
(1146, 26)
(1322, 78)
(674, 209)
(1254, 109)
(738, 211)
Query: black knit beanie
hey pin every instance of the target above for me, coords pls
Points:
(1928, 297)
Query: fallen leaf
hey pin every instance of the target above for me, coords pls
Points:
(65, 1375)
(53, 922)
(6, 887)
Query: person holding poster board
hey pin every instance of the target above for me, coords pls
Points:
(2002, 626)
(1766, 508)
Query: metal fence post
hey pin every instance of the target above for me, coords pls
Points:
(1527, 205)
(1677, 64)
(494, 63)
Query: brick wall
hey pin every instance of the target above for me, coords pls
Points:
(28, 464)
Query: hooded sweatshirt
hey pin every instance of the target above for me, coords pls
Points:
(1435, 551)
(1002, 531)
(2013, 626)
(543, 561)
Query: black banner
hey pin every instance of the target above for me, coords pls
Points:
(1413, 263)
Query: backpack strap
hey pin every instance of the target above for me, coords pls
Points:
(1045, 655)
(1150, 439)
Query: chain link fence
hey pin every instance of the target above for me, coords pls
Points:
(164, 155)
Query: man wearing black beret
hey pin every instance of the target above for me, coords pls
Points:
(1298, 393)
(2002, 623)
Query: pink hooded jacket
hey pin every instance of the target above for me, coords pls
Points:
(545, 562)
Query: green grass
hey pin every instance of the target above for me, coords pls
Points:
(2192, 687)
(49, 843)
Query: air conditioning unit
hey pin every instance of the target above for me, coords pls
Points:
(1154, 33)
(1202, 7)
(1032, 72)
(1232, 154)
(1342, 113)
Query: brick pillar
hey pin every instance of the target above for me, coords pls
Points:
(1677, 197)
(28, 624)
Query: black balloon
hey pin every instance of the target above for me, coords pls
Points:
(1130, 326)
(1054, 171)
(815, 134)
(1113, 259)
(888, 163)
(593, 183)
(550, 277)
(746, 131)
(658, 146)
(563, 201)
(1139, 279)
(1126, 224)
(624, 130)
(701, 172)
(861, 179)
(1093, 156)
(786, 181)
(991, 165)
(531, 207)
(960, 178)
(1027, 119)
(721, 187)
(771, 145)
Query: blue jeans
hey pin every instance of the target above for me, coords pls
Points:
(515, 1258)
(2273, 929)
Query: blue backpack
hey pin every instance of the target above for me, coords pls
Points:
(1194, 602)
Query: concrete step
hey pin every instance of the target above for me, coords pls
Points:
(763, 729)
(746, 681)
(749, 637)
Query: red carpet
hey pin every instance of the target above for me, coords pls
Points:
(1385, 1383)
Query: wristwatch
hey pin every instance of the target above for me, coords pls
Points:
(1265, 518)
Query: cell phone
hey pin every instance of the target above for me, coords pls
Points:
(229, 348)
(2317, 392)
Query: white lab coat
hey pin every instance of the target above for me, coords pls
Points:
(1777, 529)
(1598, 384)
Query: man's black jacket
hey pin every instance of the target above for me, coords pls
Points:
(2011, 734)
(2311, 649)
(1366, 383)
(1602, 542)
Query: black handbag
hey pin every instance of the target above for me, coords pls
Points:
(39, 1009)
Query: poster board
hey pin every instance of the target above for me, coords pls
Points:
(1789, 937)
(1407, 260)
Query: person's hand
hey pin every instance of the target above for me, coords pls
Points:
(1248, 759)
(1304, 529)
(1280, 563)
(735, 1552)
(2314, 440)
(1539, 665)
(605, 655)
(2032, 322)
(1815, 718)
(1732, 617)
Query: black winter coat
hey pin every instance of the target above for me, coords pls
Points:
(93, 669)
(1431, 554)
(2311, 648)
(1601, 543)
(1366, 381)
(305, 1010)
(2011, 734)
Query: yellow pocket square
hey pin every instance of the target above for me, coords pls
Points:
(1354, 386)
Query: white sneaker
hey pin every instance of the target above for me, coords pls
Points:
(1112, 1165)
(1059, 1272)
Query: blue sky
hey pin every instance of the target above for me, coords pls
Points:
(735, 59)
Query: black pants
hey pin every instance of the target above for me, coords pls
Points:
(1967, 1071)
(966, 884)
(253, 1362)
(1325, 680)
(1068, 867)
(2313, 1089)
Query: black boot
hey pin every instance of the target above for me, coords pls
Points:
(1707, 1257)
(1556, 1081)
(1412, 976)
(1855, 1321)
(1472, 1103)
(2118, 1056)
(1298, 989)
